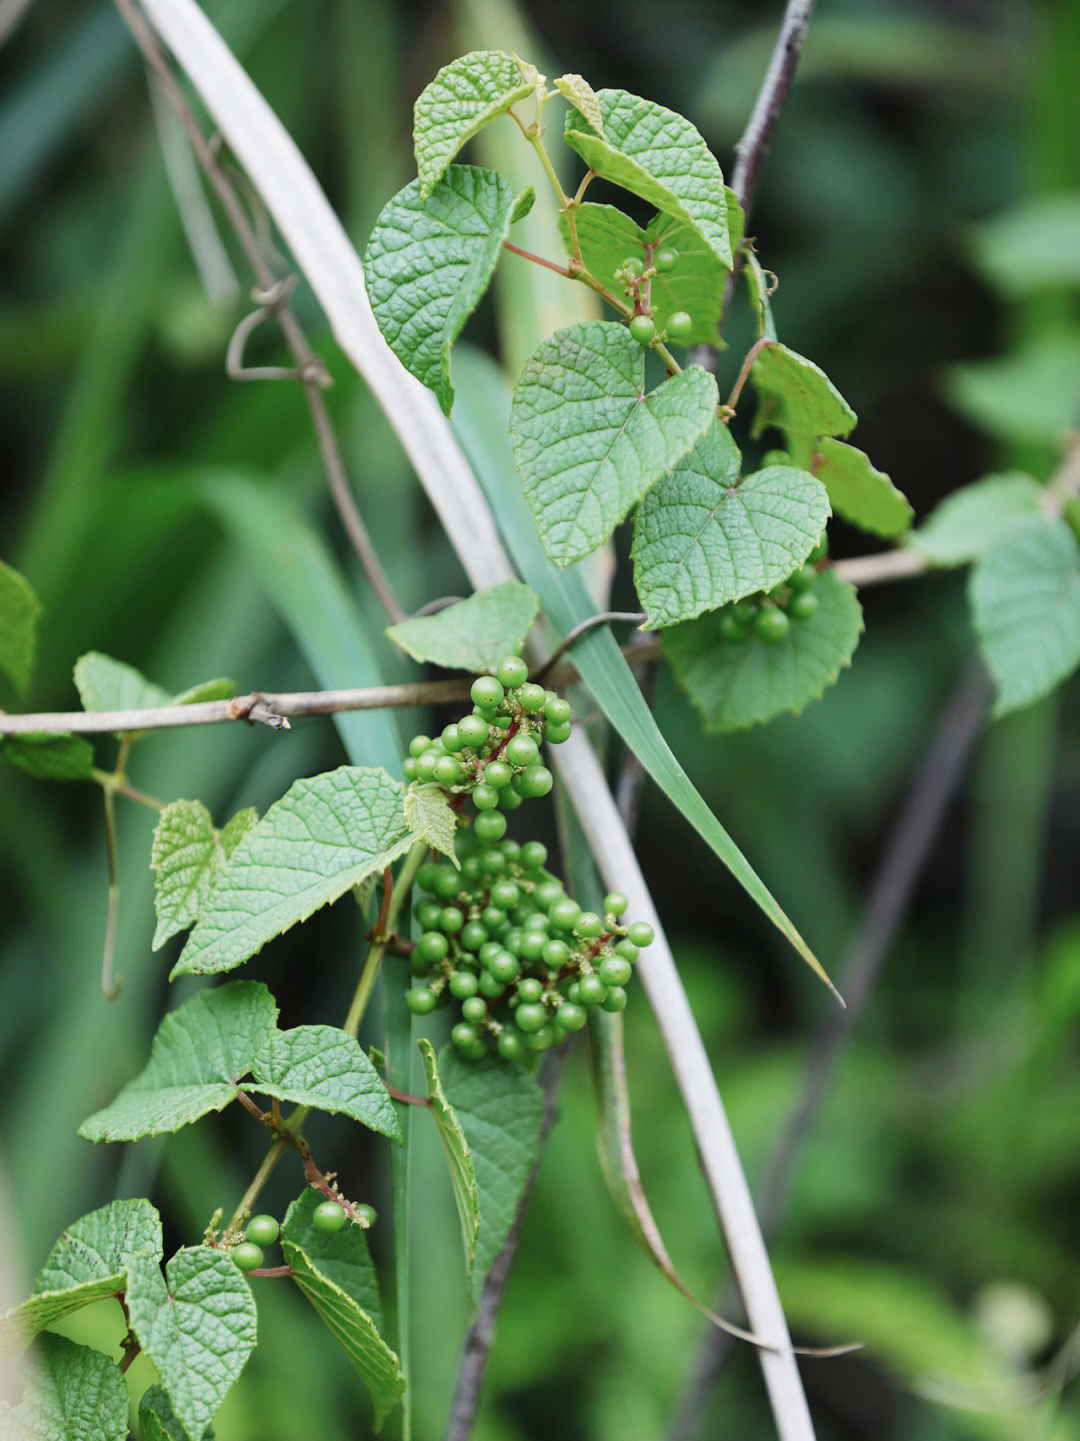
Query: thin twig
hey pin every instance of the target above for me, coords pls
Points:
(536, 259)
(310, 367)
(910, 845)
(604, 618)
(478, 1342)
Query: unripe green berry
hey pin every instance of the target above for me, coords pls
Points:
(420, 1000)
(564, 914)
(591, 990)
(556, 734)
(680, 327)
(487, 691)
(615, 971)
(472, 731)
(745, 612)
(589, 925)
(640, 934)
(497, 774)
(615, 904)
(246, 1256)
(615, 1000)
(511, 1046)
(731, 630)
(491, 986)
(328, 1217)
(418, 745)
(532, 697)
(410, 768)
(489, 826)
(463, 1036)
(451, 920)
(451, 738)
(570, 1017)
(463, 984)
(803, 606)
(772, 626)
(503, 967)
(665, 260)
(509, 799)
(534, 855)
(632, 263)
(447, 772)
(474, 1009)
(802, 579)
(642, 328)
(485, 797)
(535, 780)
(531, 946)
(432, 946)
(425, 766)
(555, 954)
(557, 710)
(473, 935)
(522, 750)
(626, 949)
(530, 1016)
(775, 457)
(447, 882)
(529, 990)
(366, 1214)
(543, 1039)
(511, 672)
(261, 1231)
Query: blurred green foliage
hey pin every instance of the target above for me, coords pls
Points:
(169, 517)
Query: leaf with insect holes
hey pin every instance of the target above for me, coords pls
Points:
(429, 261)
(589, 441)
(19, 611)
(197, 1325)
(187, 856)
(858, 492)
(88, 1263)
(431, 818)
(325, 835)
(735, 685)
(796, 397)
(463, 97)
(50, 757)
(658, 155)
(73, 1393)
(475, 634)
(608, 236)
(335, 1274)
(702, 537)
(1025, 604)
(968, 522)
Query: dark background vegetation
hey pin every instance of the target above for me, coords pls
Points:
(933, 1212)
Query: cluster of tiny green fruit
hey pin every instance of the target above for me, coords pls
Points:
(493, 755)
(634, 275)
(769, 616)
(327, 1217)
(503, 939)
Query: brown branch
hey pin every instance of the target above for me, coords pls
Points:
(536, 259)
(271, 295)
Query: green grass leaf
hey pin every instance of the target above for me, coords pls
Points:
(703, 538)
(1025, 603)
(430, 259)
(968, 522)
(463, 97)
(499, 1109)
(656, 154)
(196, 1324)
(458, 1158)
(198, 1057)
(735, 685)
(858, 492)
(588, 440)
(75, 1394)
(336, 1275)
(566, 603)
(50, 757)
(475, 634)
(430, 817)
(325, 835)
(608, 236)
(795, 396)
(88, 1263)
(325, 1068)
(19, 611)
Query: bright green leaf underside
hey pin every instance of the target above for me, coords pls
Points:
(589, 441)
(462, 1171)
(325, 835)
(608, 236)
(858, 492)
(739, 685)
(656, 154)
(1025, 602)
(19, 611)
(429, 261)
(499, 1109)
(970, 520)
(475, 634)
(582, 97)
(429, 816)
(463, 97)
(336, 1276)
(702, 538)
(795, 396)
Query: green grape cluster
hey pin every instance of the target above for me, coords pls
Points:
(769, 616)
(524, 962)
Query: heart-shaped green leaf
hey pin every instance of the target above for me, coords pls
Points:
(589, 441)
(796, 396)
(703, 538)
(461, 99)
(656, 154)
(475, 634)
